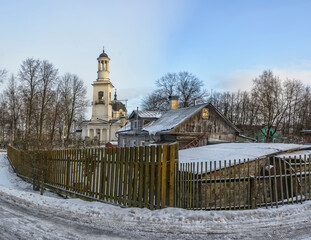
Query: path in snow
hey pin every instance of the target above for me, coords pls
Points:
(18, 222)
(28, 215)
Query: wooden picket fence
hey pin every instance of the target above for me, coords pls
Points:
(136, 176)
(152, 177)
(243, 184)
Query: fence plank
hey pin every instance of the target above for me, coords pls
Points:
(112, 173)
(309, 178)
(117, 175)
(281, 180)
(190, 184)
(135, 196)
(130, 181)
(152, 174)
(225, 185)
(300, 171)
(125, 186)
(172, 176)
(291, 180)
(296, 180)
(141, 177)
(183, 200)
(158, 178)
(286, 180)
(259, 192)
(101, 176)
(206, 186)
(200, 187)
(164, 174)
(93, 171)
(197, 186)
(305, 178)
(146, 185)
(105, 174)
(192, 169)
(264, 183)
(121, 180)
(215, 185)
(249, 184)
(270, 185)
(229, 189)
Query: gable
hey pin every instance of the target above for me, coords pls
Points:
(207, 120)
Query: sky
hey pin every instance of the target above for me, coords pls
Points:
(225, 43)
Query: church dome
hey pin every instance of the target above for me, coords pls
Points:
(117, 106)
(103, 54)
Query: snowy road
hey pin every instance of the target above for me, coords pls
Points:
(24, 214)
(18, 222)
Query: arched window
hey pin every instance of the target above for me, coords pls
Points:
(102, 66)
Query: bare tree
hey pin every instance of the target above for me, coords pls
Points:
(183, 84)
(156, 101)
(3, 74)
(4, 117)
(14, 100)
(29, 77)
(73, 94)
(190, 89)
(47, 77)
(269, 96)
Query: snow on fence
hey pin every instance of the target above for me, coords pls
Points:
(136, 176)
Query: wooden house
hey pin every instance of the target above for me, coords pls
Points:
(191, 127)
(306, 136)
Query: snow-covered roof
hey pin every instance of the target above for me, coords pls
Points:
(172, 118)
(231, 151)
(126, 127)
(146, 114)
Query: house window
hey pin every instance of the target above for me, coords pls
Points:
(205, 113)
(135, 125)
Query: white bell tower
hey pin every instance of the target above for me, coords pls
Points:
(102, 90)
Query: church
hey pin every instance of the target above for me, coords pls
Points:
(108, 115)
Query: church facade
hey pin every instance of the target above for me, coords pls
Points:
(108, 114)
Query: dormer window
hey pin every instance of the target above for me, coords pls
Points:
(135, 125)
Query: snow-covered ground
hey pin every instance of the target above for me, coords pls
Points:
(231, 151)
(25, 214)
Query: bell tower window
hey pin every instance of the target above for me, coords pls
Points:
(105, 65)
(101, 97)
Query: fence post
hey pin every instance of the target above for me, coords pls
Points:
(68, 169)
(172, 176)
(252, 196)
(176, 175)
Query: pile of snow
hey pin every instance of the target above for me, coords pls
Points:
(231, 151)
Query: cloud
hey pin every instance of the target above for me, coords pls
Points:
(243, 79)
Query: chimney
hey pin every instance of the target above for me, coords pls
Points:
(173, 102)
